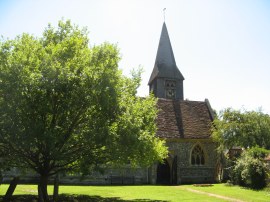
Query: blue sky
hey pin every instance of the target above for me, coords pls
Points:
(221, 47)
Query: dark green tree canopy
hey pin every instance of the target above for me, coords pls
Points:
(246, 129)
(66, 106)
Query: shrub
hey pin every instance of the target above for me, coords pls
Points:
(250, 171)
(236, 173)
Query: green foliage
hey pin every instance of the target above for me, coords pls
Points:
(250, 170)
(66, 107)
(257, 152)
(246, 129)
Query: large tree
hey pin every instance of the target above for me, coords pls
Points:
(242, 128)
(66, 106)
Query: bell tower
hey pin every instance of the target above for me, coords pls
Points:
(166, 81)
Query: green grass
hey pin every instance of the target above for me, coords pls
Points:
(237, 192)
(120, 193)
(148, 193)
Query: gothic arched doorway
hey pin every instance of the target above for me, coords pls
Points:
(163, 173)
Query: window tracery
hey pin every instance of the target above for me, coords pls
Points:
(197, 156)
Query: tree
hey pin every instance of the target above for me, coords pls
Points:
(65, 106)
(246, 129)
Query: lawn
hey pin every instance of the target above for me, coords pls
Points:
(148, 193)
(234, 192)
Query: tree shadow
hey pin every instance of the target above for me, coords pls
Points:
(77, 198)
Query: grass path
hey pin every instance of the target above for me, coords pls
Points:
(148, 193)
(233, 192)
(212, 195)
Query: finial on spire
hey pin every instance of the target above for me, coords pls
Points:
(164, 9)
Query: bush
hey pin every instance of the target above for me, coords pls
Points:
(257, 174)
(236, 173)
(250, 171)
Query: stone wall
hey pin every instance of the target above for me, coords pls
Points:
(111, 176)
(188, 173)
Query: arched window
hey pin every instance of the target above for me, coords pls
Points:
(197, 156)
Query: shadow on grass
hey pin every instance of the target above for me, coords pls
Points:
(77, 198)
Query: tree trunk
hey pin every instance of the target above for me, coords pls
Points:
(11, 188)
(40, 195)
(1, 177)
(42, 189)
(56, 187)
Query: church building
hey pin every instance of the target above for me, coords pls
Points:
(184, 125)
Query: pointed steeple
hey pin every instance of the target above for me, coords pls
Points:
(165, 69)
(165, 65)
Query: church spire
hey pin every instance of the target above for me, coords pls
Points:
(165, 69)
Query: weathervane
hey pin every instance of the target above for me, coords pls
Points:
(164, 9)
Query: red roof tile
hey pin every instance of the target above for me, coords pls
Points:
(267, 158)
(183, 119)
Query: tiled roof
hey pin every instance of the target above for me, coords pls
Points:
(267, 158)
(183, 119)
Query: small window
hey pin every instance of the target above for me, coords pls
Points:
(170, 89)
(197, 156)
